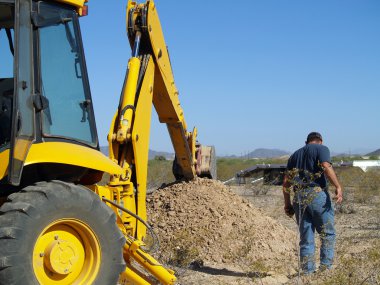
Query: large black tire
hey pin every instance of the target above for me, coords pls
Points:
(28, 213)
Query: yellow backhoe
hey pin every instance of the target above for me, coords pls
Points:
(57, 225)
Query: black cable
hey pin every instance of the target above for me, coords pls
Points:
(9, 36)
(156, 244)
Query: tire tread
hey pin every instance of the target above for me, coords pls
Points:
(22, 213)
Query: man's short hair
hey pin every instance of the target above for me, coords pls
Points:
(313, 136)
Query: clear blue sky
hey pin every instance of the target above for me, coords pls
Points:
(260, 73)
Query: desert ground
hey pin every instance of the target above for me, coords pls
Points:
(216, 234)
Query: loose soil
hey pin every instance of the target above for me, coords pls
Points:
(214, 234)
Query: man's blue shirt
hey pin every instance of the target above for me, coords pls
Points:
(308, 159)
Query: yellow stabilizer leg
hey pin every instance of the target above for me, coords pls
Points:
(129, 277)
(133, 250)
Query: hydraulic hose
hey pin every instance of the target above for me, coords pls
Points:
(156, 243)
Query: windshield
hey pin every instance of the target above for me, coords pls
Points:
(6, 72)
(6, 56)
(69, 111)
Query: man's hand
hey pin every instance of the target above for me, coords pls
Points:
(338, 195)
(289, 211)
(330, 173)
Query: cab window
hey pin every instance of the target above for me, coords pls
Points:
(6, 72)
(69, 114)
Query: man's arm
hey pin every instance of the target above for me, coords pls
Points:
(330, 173)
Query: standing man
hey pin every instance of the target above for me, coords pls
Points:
(306, 175)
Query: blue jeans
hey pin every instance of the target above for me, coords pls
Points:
(314, 211)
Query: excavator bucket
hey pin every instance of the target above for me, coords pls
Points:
(206, 162)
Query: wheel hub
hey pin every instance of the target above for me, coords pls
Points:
(66, 252)
(61, 256)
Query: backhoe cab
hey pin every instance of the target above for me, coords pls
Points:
(57, 226)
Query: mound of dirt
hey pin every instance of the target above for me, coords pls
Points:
(203, 221)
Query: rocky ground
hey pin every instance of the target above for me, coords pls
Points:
(214, 234)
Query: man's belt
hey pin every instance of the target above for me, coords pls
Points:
(316, 189)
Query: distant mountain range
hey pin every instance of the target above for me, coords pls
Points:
(152, 153)
(167, 155)
(267, 153)
(374, 153)
(257, 153)
(357, 153)
(262, 153)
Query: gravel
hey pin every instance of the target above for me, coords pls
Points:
(203, 223)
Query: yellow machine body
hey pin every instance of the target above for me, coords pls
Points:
(79, 4)
(149, 80)
(64, 153)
